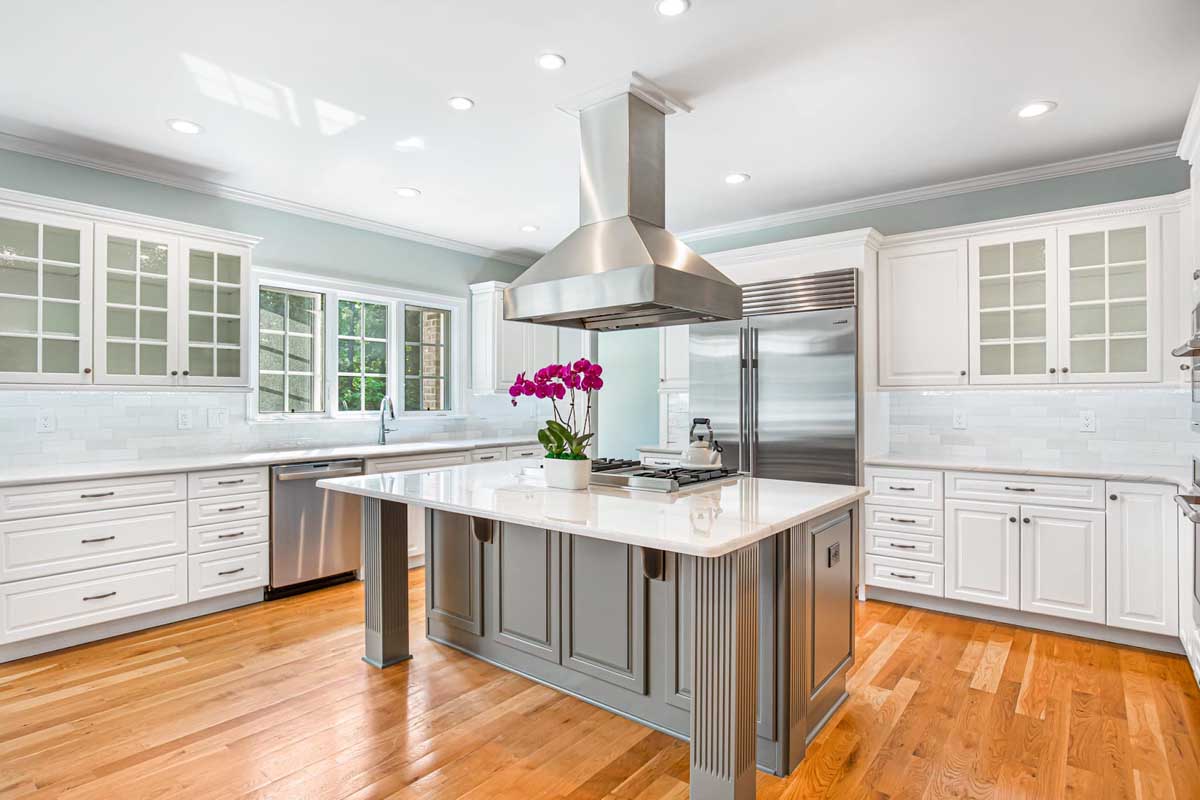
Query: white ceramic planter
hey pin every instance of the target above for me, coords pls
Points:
(563, 473)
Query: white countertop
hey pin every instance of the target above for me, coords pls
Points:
(128, 469)
(1106, 472)
(707, 520)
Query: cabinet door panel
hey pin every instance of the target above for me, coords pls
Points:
(1142, 558)
(454, 583)
(983, 553)
(923, 297)
(214, 323)
(604, 611)
(525, 594)
(1062, 563)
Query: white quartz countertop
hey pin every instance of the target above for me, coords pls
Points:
(707, 520)
(194, 463)
(1106, 472)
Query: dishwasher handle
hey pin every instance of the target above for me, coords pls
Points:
(318, 471)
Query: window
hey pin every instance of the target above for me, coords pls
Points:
(362, 355)
(426, 358)
(290, 352)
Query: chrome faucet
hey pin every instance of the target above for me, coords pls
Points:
(386, 409)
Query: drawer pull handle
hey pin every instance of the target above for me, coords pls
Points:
(905, 521)
(97, 494)
(231, 535)
(1018, 489)
(100, 596)
(902, 575)
(231, 483)
(902, 546)
(100, 539)
(231, 508)
(232, 571)
(903, 488)
(486, 458)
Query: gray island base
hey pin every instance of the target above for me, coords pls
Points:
(744, 654)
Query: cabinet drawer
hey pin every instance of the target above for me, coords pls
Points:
(227, 571)
(42, 606)
(401, 464)
(32, 548)
(1068, 492)
(227, 509)
(890, 544)
(220, 482)
(490, 454)
(526, 451)
(904, 520)
(223, 535)
(909, 576)
(909, 488)
(21, 502)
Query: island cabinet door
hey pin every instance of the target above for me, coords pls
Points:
(454, 578)
(604, 611)
(524, 594)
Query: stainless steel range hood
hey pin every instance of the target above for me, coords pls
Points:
(621, 268)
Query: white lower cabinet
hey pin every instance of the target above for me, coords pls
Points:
(1143, 558)
(1062, 563)
(910, 576)
(983, 553)
(227, 571)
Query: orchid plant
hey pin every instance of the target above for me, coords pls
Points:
(566, 436)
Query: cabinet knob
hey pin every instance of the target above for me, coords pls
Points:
(1112, 497)
(185, 372)
(1066, 369)
(962, 372)
(1012, 519)
(87, 370)
(1053, 370)
(1026, 520)
(1185, 366)
(174, 372)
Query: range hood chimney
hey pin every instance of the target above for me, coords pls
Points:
(621, 268)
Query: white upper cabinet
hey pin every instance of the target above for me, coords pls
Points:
(216, 298)
(500, 348)
(923, 314)
(137, 305)
(1110, 316)
(1013, 311)
(673, 355)
(45, 298)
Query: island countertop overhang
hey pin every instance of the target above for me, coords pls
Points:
(710, 520)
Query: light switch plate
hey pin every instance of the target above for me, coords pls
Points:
(45, 421)
(185, 419)
(218, 417)
(960, 419)
(1087, 421)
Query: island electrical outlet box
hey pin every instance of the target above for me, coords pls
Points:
(835, 553)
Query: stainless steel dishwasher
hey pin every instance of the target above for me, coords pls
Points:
(315, 534)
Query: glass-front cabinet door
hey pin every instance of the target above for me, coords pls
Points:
(1109, 331)
(137, 306)
(45, 298)
(1013, 307)
(216, 297)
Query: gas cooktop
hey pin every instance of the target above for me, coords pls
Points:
(627, 474)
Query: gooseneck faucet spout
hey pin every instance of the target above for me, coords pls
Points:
(386, 409)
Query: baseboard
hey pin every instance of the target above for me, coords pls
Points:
(118, 627)
(1025, 619)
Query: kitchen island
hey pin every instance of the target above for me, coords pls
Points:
(722, 613)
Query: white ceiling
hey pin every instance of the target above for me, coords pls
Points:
(819, 101)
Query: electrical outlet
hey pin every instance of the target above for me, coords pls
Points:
(185, 419)
(218, 417)
(1087, 421)
(45, 421)
(960, 419)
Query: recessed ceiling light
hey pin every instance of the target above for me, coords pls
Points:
(408, 191)
(1037, 109)
(184, 126)
(461, 103)
(551, 61)
(735, 178)
(672, 8)
(411, 143)
(530, 228)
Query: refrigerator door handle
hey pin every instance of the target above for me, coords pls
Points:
(743, 380)
(752, 427)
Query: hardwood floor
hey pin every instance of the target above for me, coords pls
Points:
(272, 701)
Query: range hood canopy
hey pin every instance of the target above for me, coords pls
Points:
(621, 268)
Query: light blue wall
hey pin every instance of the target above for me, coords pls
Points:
(1148, 179)
(289, 241)
(628, 403)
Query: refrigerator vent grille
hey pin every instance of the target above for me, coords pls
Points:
(834, 289)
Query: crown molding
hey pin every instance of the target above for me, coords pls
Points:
(637, 85)
(1075, 166)
(1189, 143)
(32, 147)
(867, 238)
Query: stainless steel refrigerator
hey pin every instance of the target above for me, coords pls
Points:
(781, 385)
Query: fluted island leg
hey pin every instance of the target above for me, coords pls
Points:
(385, 561)
(725, 676)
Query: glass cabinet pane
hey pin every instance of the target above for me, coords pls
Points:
(1012, 292)
(139, 299)
(214, 323)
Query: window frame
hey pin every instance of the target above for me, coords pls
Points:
(389, 342)
(395, 298)
(447, 345)
(319, 371)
